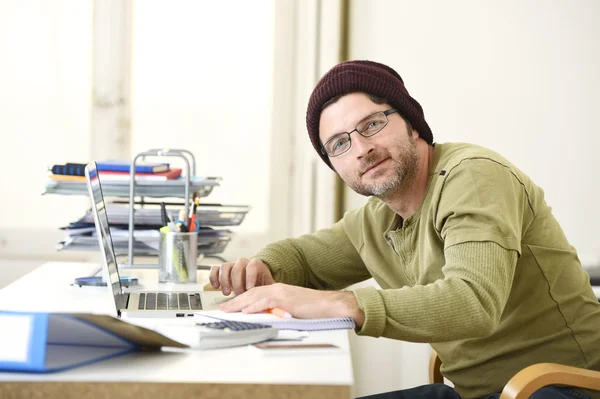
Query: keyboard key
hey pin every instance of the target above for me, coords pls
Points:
(184, 302)
(195, 303)
(161, 301)
(173, 302)
(150, 301)
(142, 301)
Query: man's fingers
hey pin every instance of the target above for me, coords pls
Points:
(251, 274)
(214, 276)
(259, 306)
(239, 302)
(225, 278)
(257, 273)
(238, 276)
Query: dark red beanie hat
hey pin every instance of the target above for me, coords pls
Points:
(367, 77)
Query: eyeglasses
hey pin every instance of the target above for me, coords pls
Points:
(370, 126)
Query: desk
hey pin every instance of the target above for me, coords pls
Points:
(223, 373)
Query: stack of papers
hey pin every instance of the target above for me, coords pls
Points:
(206, 215)
(120, 188)
(213, 236)
(146, 242)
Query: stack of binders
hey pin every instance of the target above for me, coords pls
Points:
(152, 180)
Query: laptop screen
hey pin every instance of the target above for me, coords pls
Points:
(102, 229)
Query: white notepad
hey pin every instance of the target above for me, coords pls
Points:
(336, 323)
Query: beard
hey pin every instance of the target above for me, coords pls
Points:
(404, 170)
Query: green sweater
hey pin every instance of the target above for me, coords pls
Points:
(482, 271)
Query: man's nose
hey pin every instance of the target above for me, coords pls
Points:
(361, 145)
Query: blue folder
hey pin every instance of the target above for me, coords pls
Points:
(124, 166)
(49, 342)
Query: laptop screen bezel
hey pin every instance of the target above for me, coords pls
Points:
(105, 241)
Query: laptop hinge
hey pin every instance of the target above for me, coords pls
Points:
(122, 300)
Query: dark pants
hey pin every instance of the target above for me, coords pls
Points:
(441, 391)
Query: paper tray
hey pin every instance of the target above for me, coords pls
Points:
(206, 215)
(155, 189)
(210, 246)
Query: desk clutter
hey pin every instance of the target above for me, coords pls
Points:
(304, 368)
(152, 181)
(213, 220)
(42, 342)
(49, 342)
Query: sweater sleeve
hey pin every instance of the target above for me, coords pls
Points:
(322, 260)
(482, 200)
(467, 303)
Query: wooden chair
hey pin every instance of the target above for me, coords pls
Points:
(532, 378)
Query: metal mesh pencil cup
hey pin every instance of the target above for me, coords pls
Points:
(177, 257)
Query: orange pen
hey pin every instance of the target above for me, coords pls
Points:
(192, 226)
(284, 314)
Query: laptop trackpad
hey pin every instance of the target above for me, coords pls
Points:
(220, 300)
(212, 299)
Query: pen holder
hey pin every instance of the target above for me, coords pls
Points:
(177, 257)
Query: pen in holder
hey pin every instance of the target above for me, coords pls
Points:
(177, 257)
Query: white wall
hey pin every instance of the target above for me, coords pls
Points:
(202, 79)
(204, 82)
(44, 109)
(518, 76)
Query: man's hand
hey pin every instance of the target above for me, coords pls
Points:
(300, 302)
(240, 276)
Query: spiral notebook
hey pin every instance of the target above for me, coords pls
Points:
(336, 323)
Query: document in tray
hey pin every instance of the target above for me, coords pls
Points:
(150, 215)
(337, 323)
(168, 188)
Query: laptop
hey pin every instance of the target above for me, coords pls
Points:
(140, 303)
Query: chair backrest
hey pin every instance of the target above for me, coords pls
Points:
(530, 379)
(435, 375)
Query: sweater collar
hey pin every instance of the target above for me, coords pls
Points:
(398, 222)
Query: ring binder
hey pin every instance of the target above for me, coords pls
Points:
(48, 342)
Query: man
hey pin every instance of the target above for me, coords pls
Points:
(467, 252)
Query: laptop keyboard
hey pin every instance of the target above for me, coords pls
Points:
(169, 301)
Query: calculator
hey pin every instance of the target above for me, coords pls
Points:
(219, 334)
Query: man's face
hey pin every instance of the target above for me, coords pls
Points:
(379, 165)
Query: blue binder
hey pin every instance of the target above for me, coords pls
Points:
(140, 167)
(49, 342)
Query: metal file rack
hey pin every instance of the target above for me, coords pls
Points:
(183, 154)
(124, 213)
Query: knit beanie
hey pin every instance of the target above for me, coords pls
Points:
(368, 77)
